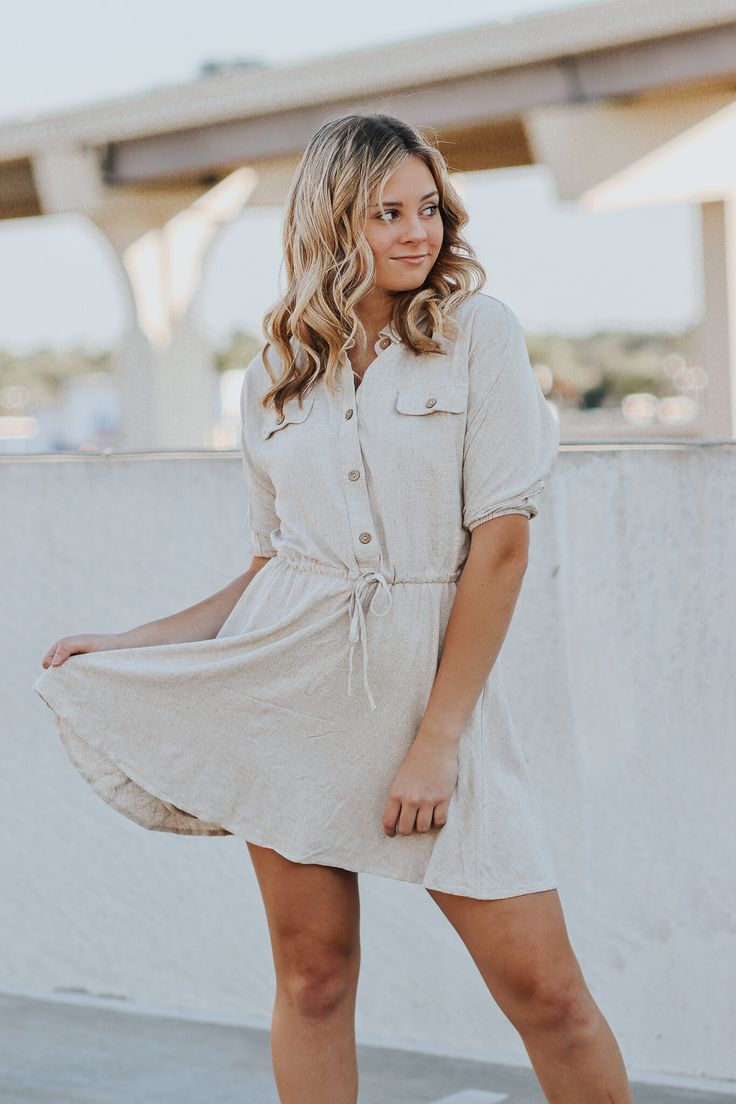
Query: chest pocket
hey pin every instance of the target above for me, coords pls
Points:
(432, 398)
(427, 432)
(293, 414)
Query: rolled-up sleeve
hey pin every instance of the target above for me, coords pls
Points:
(512, 436)
(261, 517)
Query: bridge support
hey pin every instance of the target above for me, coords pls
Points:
(163, 366)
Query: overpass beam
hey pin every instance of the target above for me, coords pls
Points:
(600, 145)
(673, 148)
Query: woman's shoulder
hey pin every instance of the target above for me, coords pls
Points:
(256, 382)
(485, 325)
(256, 367)
(256, 378)
(494, 338)
(485, 312)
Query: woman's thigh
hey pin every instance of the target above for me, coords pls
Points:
(522, 950)
(313, 913)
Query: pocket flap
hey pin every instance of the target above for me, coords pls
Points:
(451, 397)
(293, 413)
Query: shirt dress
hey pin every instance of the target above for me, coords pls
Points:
(288, 727)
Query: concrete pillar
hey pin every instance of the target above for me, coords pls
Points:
(164, 368)
(718, 329)
(163, 266)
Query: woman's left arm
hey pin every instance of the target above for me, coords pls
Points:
(485, 598)
(510, 445)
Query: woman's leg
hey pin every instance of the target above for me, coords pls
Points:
(521, 947)
(313, 915)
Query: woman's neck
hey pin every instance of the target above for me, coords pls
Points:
(375, 311)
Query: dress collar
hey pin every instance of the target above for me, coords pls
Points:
(391, 333)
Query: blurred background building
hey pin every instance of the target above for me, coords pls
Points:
(601, 121)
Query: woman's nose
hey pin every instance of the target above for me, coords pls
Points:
(414, 231)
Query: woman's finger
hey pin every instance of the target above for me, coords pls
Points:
(49, 654)
(440, 813)
(55, 655)
(407, 817)
(424, 817)
(390, 815)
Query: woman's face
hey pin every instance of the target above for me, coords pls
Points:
(410, 225)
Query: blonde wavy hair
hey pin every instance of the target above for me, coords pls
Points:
(329, 262)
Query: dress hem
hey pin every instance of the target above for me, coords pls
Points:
(156, 792)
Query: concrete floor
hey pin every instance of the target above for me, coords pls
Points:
(57, 1053)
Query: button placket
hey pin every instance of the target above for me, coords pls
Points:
(366, 551)
(360, 518)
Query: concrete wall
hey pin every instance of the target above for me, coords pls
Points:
(626, 623)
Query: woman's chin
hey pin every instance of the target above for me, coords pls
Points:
(407, 281)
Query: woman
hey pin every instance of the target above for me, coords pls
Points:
(395, 444)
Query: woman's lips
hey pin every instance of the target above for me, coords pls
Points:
(411, 260)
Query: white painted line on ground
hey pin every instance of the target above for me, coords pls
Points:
(472, 1096)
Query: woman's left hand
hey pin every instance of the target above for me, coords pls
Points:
(421, 790)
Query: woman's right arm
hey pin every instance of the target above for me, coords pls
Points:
(202, 621)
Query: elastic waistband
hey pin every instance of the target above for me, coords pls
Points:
(361, 583)
(319, 567)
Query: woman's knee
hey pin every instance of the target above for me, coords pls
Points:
(317, 976)
(314, 924)
(556, 1004)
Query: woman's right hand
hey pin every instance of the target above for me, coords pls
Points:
(75, 645)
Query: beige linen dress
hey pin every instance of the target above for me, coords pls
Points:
(364, 501)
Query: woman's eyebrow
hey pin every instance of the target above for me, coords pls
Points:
(398, 203)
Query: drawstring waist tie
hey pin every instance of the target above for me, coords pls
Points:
(357, 622)
(358, 630)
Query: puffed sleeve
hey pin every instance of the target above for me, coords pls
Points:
(261, 515)
(512, 436)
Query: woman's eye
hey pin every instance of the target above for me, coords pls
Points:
(393, 211)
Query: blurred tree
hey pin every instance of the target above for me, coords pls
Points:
(587, 371)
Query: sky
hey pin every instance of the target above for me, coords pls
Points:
(561, 268)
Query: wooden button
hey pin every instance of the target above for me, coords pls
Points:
(385, 342)
(431, 402)
(364, 538)
(354, 474)
(348, 413)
